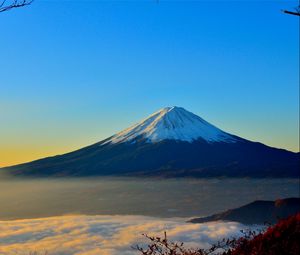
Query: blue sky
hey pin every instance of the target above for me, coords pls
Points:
(74, 72)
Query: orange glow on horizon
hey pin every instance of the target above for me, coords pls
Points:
(18, 155)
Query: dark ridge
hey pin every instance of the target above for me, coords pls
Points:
(257, 212)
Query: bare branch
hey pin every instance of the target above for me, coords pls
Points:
(296, 12)
(293, 13)
(6, 5)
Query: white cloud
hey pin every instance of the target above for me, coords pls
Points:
(102, 235)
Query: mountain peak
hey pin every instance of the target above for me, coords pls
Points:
(172, 123)
(171, 108)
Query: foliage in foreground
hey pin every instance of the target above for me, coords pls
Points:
(281, 239)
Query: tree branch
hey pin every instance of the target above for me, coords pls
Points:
(293, 13)
(296, 12)
(6, 5)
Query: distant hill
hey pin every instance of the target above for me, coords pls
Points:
(172, 142)
(257, 212)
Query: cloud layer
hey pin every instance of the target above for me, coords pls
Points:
(102, 235)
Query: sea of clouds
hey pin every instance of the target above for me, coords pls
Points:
(103, 235)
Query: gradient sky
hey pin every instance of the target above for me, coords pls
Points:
(75, 72)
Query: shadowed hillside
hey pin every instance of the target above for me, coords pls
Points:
(257, 212)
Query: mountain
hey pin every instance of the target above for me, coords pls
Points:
(172, 142)
(257, 212)
(172, 123)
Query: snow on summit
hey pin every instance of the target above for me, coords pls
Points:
(172, 123)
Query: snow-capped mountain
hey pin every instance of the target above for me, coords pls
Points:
(172, 123)
(171, 142)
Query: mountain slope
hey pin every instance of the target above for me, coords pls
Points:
(257, 212)
(171, 143)
(173, 123)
